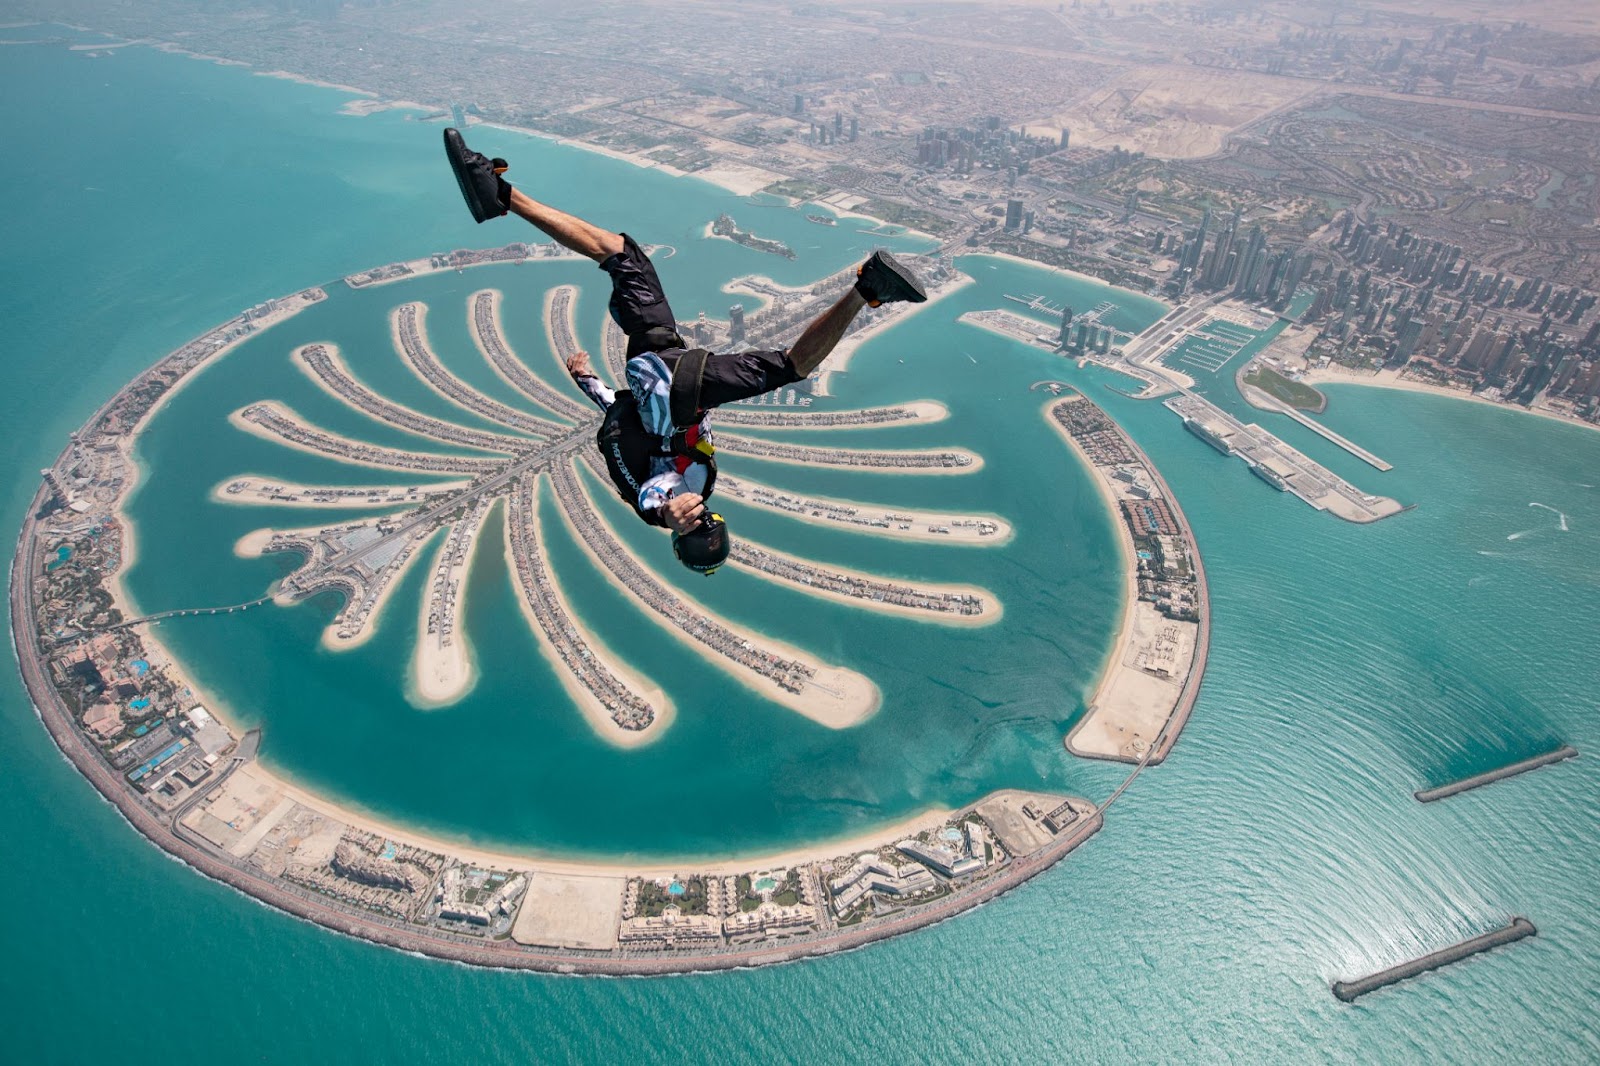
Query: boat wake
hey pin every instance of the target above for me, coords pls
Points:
(1559, 514)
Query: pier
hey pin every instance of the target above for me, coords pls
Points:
(1267, 402)
(1348, 991)
(1488, 777)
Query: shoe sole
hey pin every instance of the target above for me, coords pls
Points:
(456, 150)
(910, 289)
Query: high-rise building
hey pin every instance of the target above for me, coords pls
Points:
(855, 127)
(736, 324)
(1013, 214)
(799, 102)
(1065, 134)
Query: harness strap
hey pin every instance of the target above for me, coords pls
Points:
(684, 398)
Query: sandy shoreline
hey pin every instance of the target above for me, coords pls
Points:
(817, 456)
(336, 357)
(1389, 379)
(599, 719)
(1068, 272)
(253, 545)
(927, 413)
(1124, 539)
(443, 675)
(127, 447)
(257, 484)
(858, 698)
(959, 535)
(623, 865)
(992, 608)
(239, 422)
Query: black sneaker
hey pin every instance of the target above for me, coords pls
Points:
(486, 192)
(884, 280)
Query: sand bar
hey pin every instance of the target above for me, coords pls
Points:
(1135, 714)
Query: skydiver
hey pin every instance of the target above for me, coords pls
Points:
(655, 438)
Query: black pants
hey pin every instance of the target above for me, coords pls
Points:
(639, 306)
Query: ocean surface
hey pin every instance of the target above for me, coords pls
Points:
(1277, 850)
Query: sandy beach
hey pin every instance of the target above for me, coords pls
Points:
(127, 446)
(1124, 539)
(239, 422)
(516, 859)
(442, 668)
(260, 491)
(593, 712)
(814, 456)
(1066, 272)
(743, 489)
(301, 79)
(1391, 379)
(254, 543)
(504, 445)
(992, 609)
(547, 316)
(393, 577)
(835, 697)
(927, 412)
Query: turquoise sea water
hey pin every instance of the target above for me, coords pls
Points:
(1277, 850)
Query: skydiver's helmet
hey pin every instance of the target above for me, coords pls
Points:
(705, 547)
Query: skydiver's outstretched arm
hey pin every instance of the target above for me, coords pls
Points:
(569, 231)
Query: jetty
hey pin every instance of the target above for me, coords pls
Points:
(1428, 795)
(1520, 927)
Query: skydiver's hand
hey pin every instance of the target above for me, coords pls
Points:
(682, 513)
(578, 365)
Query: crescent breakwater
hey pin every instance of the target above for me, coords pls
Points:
(190, 783)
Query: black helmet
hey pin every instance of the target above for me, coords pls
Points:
(705, 547)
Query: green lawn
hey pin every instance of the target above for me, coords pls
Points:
(1292, 393)
(797, 189)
